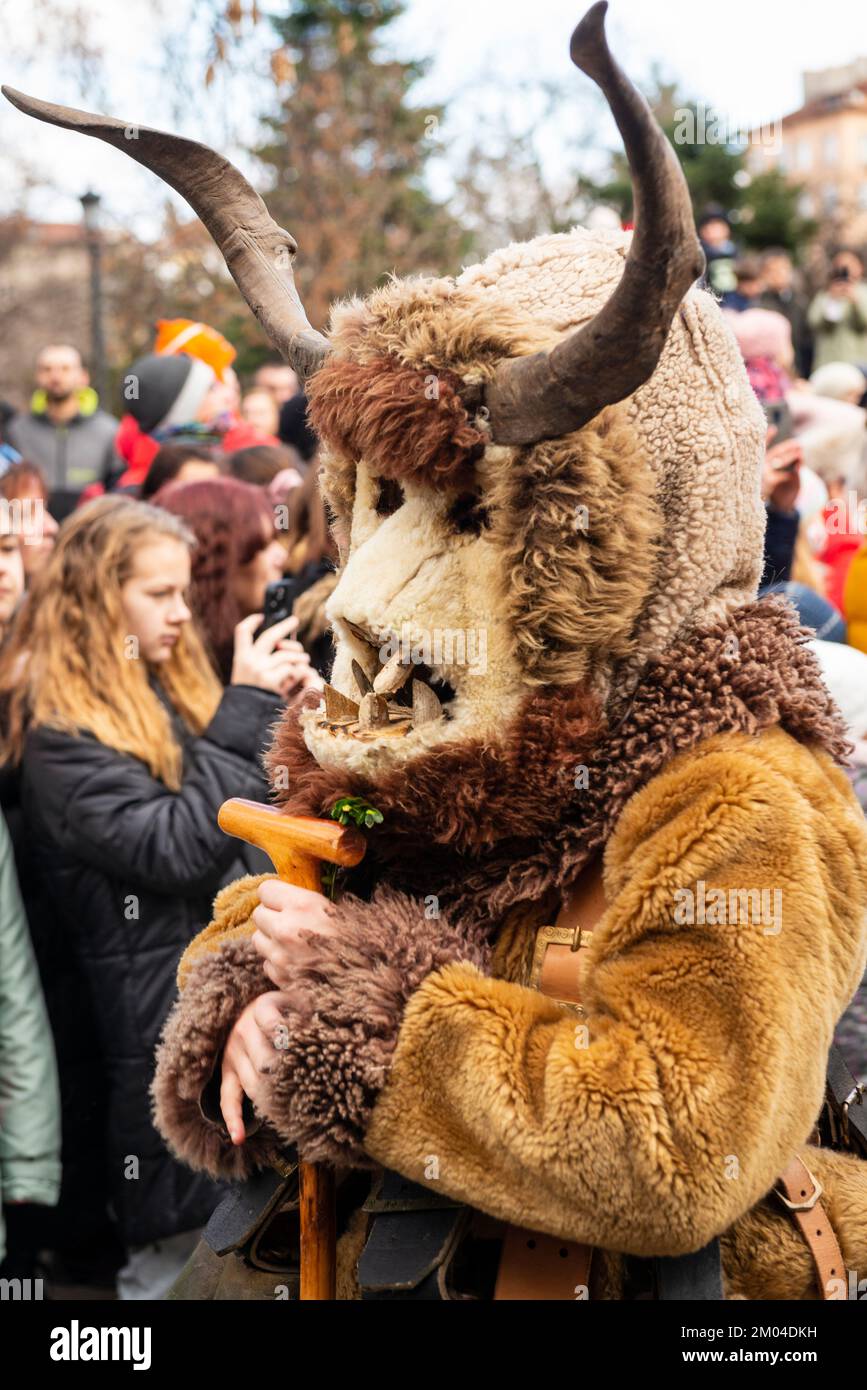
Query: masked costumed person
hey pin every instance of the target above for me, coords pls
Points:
(577, 1002)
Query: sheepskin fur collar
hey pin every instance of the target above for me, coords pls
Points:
(484, 827)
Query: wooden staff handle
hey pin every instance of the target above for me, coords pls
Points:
(296, 846)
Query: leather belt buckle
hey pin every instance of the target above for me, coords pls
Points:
(811, 1200)
(546, 936)
(577, 938)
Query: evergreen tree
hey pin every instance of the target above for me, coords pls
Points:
(770, 214)
(348, 153)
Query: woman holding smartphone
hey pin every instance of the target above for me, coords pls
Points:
(128, 745)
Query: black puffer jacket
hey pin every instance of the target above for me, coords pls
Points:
(132, 869)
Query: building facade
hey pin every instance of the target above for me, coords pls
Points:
(823, 147)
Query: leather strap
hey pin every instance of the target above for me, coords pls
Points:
(411, 1241)
(534, 1266)
(247, 1208)
(801, 1193)
(560, 956)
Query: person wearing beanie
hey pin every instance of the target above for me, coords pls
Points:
(195, 340)
(222, 407)
(164, 396)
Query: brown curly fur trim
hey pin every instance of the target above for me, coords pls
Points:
(218, 987)
(346, 1014)
(443, 835)
(388, 415)
(461, 795)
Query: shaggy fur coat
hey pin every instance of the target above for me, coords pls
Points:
(614, 573)
(702, 1069)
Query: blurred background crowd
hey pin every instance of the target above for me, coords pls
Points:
(157, 474)
(138, 684)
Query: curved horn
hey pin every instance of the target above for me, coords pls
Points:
(259, 254)
(552, 393)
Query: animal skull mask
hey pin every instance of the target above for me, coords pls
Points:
(543, 471)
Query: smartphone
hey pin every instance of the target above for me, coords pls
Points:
(778, 414)
(279, 601)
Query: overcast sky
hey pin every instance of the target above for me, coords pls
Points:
(745, 57)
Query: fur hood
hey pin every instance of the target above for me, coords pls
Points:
(617, 539)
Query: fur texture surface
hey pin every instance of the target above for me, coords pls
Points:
(582, 535)
(688, 447)
(233, 907)
(696, 421)
(220, 982)
(624, 1138)
(343, 1018)
(705, 1043)
(369, 410)
(503, 823)
(466, 795)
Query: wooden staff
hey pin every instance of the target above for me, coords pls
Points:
(296, 846)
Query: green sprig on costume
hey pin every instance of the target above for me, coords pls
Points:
(354, 810)
(349, 810)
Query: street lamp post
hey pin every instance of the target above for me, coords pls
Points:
(90, 208)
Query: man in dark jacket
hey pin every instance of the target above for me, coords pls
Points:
(65, 433)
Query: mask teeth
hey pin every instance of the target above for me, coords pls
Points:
(373, 711)
(425, 705)
(374, 714)
(394, 674)
(362, 680)
(338, 705)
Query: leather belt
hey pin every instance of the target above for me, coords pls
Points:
(800, 1193)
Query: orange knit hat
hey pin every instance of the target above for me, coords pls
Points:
(196, 340)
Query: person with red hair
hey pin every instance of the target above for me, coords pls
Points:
(237, 556)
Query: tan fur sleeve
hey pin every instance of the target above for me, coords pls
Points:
(702, 1068)
(232, 921)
